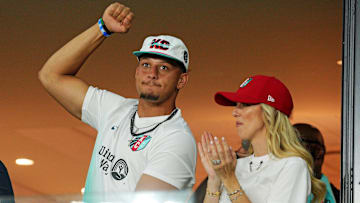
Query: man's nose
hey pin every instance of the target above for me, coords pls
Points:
(153, 73)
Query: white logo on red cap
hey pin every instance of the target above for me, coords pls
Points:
(270, 98)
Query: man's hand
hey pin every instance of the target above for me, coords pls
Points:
(117, 18)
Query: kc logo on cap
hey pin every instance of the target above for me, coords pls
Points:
(160, 44)
(166, 46)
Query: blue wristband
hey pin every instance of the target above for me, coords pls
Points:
(103, 28)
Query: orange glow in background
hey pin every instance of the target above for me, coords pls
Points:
(299, 42)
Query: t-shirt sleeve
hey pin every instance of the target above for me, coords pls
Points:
(173, 160)
(97, 104)
(293, 184)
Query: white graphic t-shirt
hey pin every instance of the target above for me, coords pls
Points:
(119, 159)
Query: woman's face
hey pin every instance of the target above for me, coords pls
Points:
(249, 120)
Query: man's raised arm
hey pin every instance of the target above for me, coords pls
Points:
(58, 73)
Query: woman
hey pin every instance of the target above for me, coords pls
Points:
(279, 169)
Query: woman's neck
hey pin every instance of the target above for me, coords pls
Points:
(259, 143)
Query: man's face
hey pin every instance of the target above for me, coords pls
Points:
(158, 80)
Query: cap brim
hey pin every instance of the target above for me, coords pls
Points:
(226, 98)
(139, 53)
(231, 98)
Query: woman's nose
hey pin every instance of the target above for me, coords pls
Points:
(236, 112)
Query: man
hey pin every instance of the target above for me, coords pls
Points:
(142, 144)
(313, 141)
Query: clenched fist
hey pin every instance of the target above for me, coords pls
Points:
(117, 18)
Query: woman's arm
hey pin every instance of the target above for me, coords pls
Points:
(213, 192)
(223, 160)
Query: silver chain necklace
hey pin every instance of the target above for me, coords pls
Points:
(132, 123)
(257, 168)
(136, 129)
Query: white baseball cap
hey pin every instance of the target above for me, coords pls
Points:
(166, 46)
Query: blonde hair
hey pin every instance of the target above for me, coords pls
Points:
(283, 141)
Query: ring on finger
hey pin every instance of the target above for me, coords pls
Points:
(216, 162)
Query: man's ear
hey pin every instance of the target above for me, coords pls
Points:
(184, 77)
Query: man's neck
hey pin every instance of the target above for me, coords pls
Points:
(150, 109)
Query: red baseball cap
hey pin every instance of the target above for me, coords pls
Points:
(259, 89)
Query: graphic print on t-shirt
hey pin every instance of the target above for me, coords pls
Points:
(119, 170)
(139, 142)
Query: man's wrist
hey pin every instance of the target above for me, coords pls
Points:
(103, 29)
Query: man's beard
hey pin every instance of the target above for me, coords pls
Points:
(149, 97)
